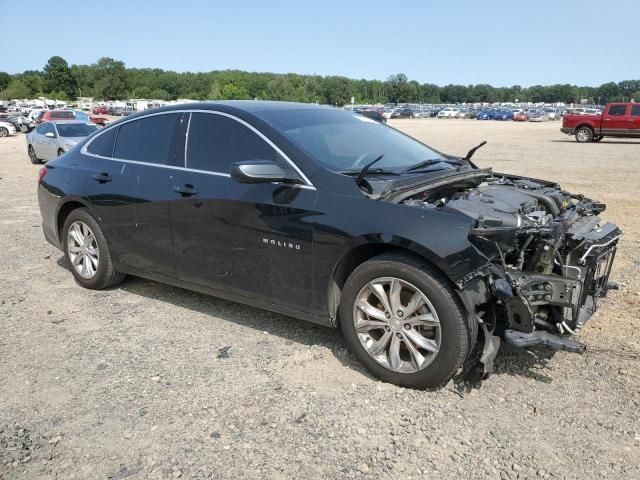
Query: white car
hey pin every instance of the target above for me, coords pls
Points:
(51, 139)
(448, 112)
(6, 129)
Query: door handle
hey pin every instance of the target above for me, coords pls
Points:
(101, 177)
(185, 190)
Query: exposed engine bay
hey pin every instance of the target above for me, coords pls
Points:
(550, 255)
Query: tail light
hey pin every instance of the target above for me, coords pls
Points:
(41, 173)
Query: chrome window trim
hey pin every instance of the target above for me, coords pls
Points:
(84, 150)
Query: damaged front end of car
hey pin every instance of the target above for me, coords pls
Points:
(549, 258)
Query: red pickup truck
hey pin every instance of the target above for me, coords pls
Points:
(618, 120)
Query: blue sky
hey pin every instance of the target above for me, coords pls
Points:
(450, 41)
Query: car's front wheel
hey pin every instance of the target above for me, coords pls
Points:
(4, 132)
(86, 251)
(403, 322)
(60, 152)
(584, 135)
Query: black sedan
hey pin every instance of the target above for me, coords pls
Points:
(372, 114)
(404, 112)
(420, 258)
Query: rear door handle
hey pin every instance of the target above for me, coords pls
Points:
(185, 190)
(101, 177)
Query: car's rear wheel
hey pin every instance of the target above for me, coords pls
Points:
(60, 152)
(86, 251)
(403, 322)
(32, 155)
(584, 135)
(4, 132)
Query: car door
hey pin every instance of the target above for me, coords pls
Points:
(634, 120)
(37, 140)
(111, 190)
(47, 145)
(145, 149)
(246, 239)
(614, 120)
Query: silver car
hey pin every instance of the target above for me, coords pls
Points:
(51, 139)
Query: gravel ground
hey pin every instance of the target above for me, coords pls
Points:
(150, 381)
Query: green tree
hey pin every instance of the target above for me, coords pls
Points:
(336, 91)
(59, 77)
(111, 82)
(5, 80)
(398, 89)
(607, 92)
(33, 83)
(15, 90)
(233, 92)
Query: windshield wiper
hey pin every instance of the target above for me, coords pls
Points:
(430, 162)
(365, 169)
(472, 151)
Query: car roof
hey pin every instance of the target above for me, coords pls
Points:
(249, 106)
(66, 122)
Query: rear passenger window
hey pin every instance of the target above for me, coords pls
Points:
(216, 141)
(103, 144)
(147, 140)
(635, 110)
(618, 110)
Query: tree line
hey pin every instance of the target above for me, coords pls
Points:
(110, 79)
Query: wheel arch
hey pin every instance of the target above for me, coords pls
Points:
(581, 125)
(65, 209)
(361, 253)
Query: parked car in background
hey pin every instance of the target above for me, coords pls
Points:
(520, 117)
(448, 112)
(52, 139)
(404, 112)
(99, 110)
(372, 114)
(618, 120)
(57, 115)
(538, 116)
(6, 129)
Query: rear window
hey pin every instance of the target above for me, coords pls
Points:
(147, 140)
(103, 144)
(62, 115)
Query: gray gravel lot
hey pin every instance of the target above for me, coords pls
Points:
(150, 381)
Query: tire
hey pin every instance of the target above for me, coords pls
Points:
(32, 155)
(105, 274)
(60, 152)
(584, 135)
(447, 330)
(4, 132)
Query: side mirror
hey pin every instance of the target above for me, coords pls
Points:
(50, 135)
(257, 171)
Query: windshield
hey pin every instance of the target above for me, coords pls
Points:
(81, 116)
(76, 129)
(343, 141)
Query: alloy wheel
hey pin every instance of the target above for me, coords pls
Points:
(82, 248)
(3, 132)
(583, 135)
(397, 325)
